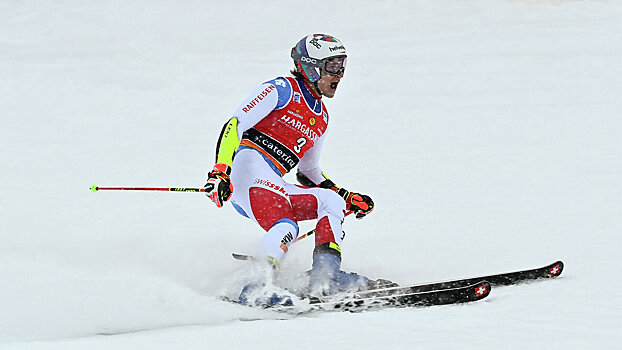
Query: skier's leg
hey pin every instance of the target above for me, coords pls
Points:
(326, 276)
(274, 213)
(259, 194)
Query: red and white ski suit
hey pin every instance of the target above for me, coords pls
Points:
(280, 126)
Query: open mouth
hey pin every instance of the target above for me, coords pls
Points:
(333, 85)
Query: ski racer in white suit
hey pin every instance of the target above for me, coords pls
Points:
(280, 126)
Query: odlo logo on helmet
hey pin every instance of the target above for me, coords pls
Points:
(308, 60)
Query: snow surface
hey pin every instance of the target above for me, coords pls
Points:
(487, 132)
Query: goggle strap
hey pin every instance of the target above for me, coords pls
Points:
(297, 56)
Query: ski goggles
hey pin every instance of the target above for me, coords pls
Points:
(335, 65)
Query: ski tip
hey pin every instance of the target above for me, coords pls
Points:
(94, 188)
(481, 289)
(555, 269)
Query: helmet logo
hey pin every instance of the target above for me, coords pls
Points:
(315, 43)
(335, 48)
(308, 60)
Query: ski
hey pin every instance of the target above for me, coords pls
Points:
(362, 301)
(501, 279)
(420, 295)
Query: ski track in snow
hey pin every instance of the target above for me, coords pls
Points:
(487, 132)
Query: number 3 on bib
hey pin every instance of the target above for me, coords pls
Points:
(301, 142)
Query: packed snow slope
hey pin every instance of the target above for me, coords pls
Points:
(487, 132)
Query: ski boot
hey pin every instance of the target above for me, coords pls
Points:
(261, 291)
(326, 278)
(259, 295)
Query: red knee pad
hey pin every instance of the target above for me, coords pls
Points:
(269, 207)
(304, 205)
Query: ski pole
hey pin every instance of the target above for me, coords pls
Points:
(96, 188)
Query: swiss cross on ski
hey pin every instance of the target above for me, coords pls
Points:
(555, 270)
(481, 290)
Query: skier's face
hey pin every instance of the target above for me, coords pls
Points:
(328, 84)
(331, 75)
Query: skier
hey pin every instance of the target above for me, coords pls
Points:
(282, 125)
